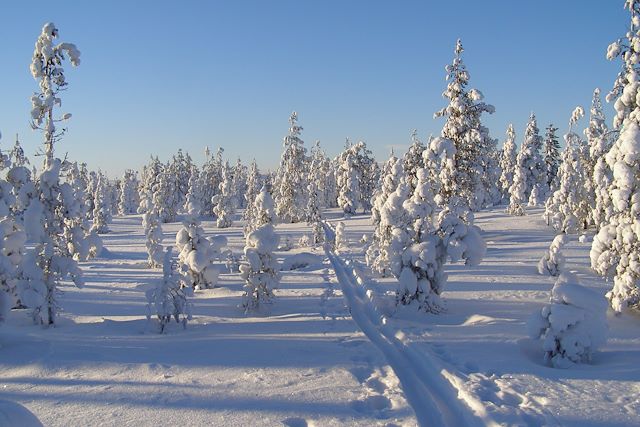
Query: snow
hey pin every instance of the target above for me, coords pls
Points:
(332, 350)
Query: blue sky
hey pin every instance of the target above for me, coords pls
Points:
(161, 75)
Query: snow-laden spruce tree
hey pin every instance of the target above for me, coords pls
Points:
(197, 253)
(101, 210)
(83, 242)
(616, 248)
(129, 199)
(391, 176)
(463, 126)
(239, 177)
(254, 185)
(568, 209)
(518, 189)
(290, 183)
(314, 201)
(90, 179)
(508, 161)
(193, 199)
(340, 241)
(166, 198)
(412, 160)
(180, 168)
(152, 231)
(224, 208)
(261, 271)
(211, 179)
(553, 261)
(598, 173)
(385, 213)
(330, 190)
(347, 180)
(168, 300)
(573, 325)
(551, 156)
(46, 216)
(532, 163)
(12, 246)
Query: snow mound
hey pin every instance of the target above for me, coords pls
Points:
(301, 260)
(14, 414)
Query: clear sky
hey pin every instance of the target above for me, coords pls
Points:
(161, 75)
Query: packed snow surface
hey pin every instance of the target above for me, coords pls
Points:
(331, 349)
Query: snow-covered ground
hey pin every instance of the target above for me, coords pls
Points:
(329, 351)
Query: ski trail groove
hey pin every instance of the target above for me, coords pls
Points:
(432, 398)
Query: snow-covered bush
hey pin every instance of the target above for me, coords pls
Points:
(553, 261)
(197, 254)
(261, 271)
(169, 299)
(573, 325)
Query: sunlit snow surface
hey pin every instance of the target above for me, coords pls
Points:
(304, 361)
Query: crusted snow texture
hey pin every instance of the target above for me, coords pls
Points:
(168, 300)
(553, 261)
(573, 325)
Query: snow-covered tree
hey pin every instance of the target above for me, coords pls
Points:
(166, 198)
(518, 189)
(193, 199)
(101, 211)
(463, 126)
(314, 207)
(508, 161)
(530, 160)
(598, 173)
(391, 176)
(347, 180)
(340, 242)
(290, 182)
(129, 199)
(573, 325)
(261, 271)
(152, 231)
(224, 208)
(83, 242)
(211, 178)
(568, 209)
(616, 248)
(551, 156)
(254, 185)
(412, 160)
(553, 261)
(239, 183)
(168, 300)
(197, 253)
(46, 216)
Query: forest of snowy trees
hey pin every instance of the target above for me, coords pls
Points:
(422, 203)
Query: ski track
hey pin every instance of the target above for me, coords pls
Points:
(434, 401)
